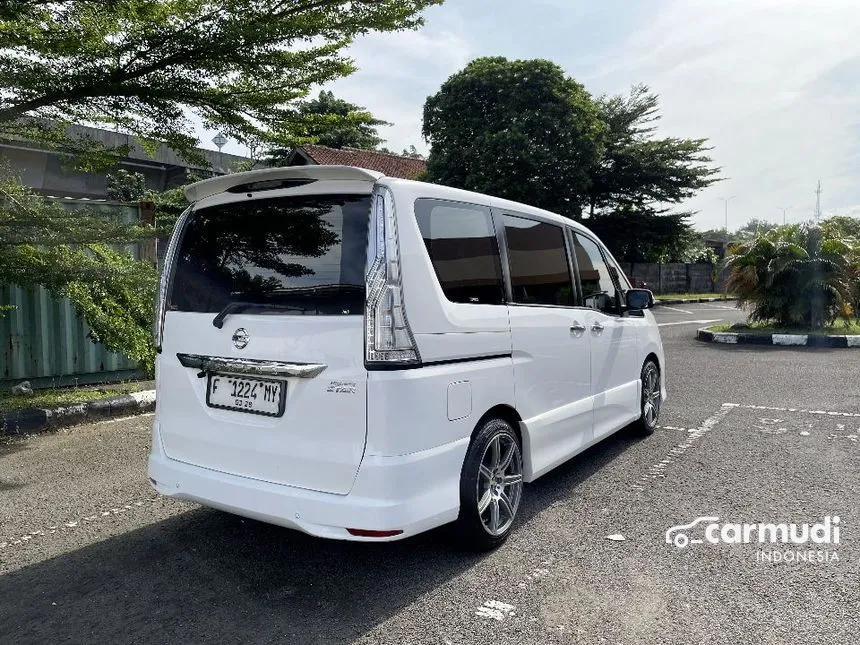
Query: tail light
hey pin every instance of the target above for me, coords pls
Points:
(388, 340)
(164, 281)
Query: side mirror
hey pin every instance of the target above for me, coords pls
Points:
(638, 299)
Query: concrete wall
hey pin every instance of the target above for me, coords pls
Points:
(675, 277)
(49, 173)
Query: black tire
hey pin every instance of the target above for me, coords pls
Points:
(648, 418)
(487, 479)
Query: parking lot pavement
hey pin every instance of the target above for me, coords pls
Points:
(749, 435)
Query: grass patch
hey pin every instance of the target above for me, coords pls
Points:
(52, 397)
(689, 295)
(837, 329)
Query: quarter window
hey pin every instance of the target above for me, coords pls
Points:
(598, 288)
(540, 272)
(461, 242)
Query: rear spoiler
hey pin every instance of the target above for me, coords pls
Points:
(208, 187)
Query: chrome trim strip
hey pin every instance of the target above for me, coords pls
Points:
(250, 366)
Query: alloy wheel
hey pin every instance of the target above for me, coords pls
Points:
(650, 395)
(500, 484)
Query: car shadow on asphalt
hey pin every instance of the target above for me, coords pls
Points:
(207, 576)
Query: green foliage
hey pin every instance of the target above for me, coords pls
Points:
(694, 250)
(525, 131)
(638, 177)
(637, 170)
(753, 229)
(411, 152)
(795, 276)
(642, 236)
(67, 252)
(330, 121)
(841, 226)
(519, 129)
(125, 186)
(169, 205)
(144, 65)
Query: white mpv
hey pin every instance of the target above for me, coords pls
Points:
(365, 358)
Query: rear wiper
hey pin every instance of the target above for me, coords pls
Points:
(319, 289)
(239, 306)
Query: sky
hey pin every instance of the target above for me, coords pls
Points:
(774, 85)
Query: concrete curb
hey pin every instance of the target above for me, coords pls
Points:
(784, 340)
(36, 420)
(682, 301)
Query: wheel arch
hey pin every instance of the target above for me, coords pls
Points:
(653, 357)
(510, 414)
(501, 411)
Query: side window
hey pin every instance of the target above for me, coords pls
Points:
(595, 277)
(617, 274)
(461, 242)
(540, 272)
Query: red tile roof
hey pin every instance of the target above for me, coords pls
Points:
(387, 164)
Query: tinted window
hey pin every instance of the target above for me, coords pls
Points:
(305, 255)
(462, 245)
(598, 288)
(540, 273)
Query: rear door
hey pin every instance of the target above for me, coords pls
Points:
(278, 391)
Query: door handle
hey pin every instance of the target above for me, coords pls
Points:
(596, 326)
(576, 328)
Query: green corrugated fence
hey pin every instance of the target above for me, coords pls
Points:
(44, 340)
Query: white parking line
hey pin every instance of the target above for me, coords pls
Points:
(689, 322)
(713, 307)
(658, 470)
(830, 413)
(683, 311)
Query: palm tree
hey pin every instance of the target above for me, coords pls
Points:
(795, 276)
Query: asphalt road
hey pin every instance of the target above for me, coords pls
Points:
(105, 560)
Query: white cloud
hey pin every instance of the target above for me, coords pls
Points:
(396, 73)
(769, 83)
(773, 84)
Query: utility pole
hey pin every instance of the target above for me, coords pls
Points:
(818, 202)
(726, 229)
(783, 209)
(726, 201)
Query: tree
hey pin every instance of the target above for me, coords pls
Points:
(125, 186)
(517, 129)
(754, 228)
(637, 170)
(411, 152)
(638, 178)
(336, 123)
(43, 244)
(144, 65)
(795, 276)
(653, 237)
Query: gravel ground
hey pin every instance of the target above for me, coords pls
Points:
(108, 561)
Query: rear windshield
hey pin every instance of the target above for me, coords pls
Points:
(302, 255)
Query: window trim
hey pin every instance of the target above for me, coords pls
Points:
(604, 253)
(498, 219)
(501, 257)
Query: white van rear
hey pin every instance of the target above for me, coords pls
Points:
(362, 357)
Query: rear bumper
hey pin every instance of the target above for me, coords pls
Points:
(410, 493)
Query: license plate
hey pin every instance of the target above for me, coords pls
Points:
(256, 396)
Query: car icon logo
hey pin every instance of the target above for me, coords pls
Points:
(241, 338)
(676, 535)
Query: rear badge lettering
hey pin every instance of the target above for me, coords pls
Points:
(341, 387)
